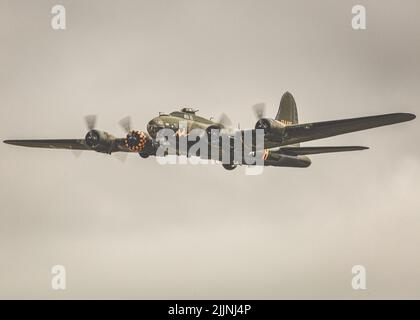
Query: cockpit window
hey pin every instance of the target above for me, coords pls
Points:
(177, 114)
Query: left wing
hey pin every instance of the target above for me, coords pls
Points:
(73, 144)
(70, 144)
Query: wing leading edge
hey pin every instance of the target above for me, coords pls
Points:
(73, 144)
(69, 144)
(319, 130)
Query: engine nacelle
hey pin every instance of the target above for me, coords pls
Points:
(139, 141)
(229, 166)
(99, 141)
(276, 159)
(271, 126)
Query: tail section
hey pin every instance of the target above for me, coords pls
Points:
(287, 113)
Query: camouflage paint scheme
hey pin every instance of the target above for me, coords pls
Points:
(282, 135)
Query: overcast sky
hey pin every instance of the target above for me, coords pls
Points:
(142, 230)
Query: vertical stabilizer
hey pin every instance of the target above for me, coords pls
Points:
(287, 111)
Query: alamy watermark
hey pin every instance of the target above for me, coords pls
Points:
(358, 282)
(358, 22)
(58, 281)
(58, 20)
(199, 146)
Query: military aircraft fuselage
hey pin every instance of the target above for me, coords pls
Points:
(186, 118)
(273, 141)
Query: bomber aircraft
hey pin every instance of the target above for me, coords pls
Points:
(282, 135)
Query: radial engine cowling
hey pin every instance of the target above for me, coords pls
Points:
(99, 140)
(277, 159)
(271, 126)
(138, 141)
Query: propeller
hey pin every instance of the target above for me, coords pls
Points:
(262, 124)
(259, 110)
(90, 121)
(225, 121)
(77, 153)
(92, 136)
(121, 156)
(133, 137)
(125, 123)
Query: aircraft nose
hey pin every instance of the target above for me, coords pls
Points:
(153, 127)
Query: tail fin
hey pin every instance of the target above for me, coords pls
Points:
(287, 111)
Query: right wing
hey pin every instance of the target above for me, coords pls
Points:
(319, 130)
(296, 133)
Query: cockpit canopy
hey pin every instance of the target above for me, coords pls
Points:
(186, 113)
(188, 110)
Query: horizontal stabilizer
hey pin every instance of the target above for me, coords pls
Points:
(300, 151)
